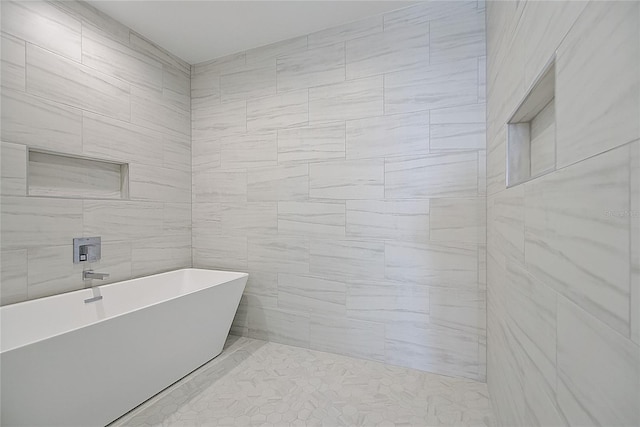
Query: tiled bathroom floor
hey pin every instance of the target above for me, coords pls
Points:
(262, 383)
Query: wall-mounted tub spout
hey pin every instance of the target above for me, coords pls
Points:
(89, 274)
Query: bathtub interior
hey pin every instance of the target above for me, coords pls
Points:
(35, 320)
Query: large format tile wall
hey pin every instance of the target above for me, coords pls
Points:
(563, 249)
(344, 170)
(76, 82)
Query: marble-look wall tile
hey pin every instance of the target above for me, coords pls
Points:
(13, 169)
(72, 177)
(506, 213)
(39, 123)
(431, 176)
(159, 111)
(176, 151)
(240, 325)
(540, 408)
(279, 254)
(472, 113)
(311, 294)
(214, 185)
(262, 289)
(546, 24)
(482, 358)
(141, 44)
(275, 50)
(311, 143)
(40, 23)
(159, 183)
(458, 128)
(285, 182)
(458, 36)
(249, 82)
(205, 88)
(600, 386)
(13, 277)
(178, 100)
(13, 63)
(110, 139)
(482, 267)
(240, 218)
(496, 162)
(482, 79)
(433, 349)
(311, 219)
(388, 219)
(453, 265)
(458, 220)
(345, 32)
(95, 19)
(442, 85)
(176, 81)
(346, 101)
(532, 310)
(121, 220)
(634, 213)
(160, 253)
(249, 150)
(460, 310)
(279, 325)
(396, 135)
(102, 53)
(205, 156)
(352, 175)
(60, 276)
(206, 219)
(313, 67)
(561, 351)
(52, 271)
(221, 252)
(225, 64)
(350, 179)
(424, 12)
(394, 49)
(59, 79)
(116, 260)
(29, 221)
(575, 239)
(543, 141)
(215, 119)
(347, 336)
(177, 218)
(387, 301)
(347, 258)
(598, 110)
(278, 111)
(482, 173)
(79, 67)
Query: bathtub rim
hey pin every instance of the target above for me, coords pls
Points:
(3, 350)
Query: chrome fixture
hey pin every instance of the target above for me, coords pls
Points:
(89, 274)
(86, 249)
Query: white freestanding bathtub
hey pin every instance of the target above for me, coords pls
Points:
(67, 362)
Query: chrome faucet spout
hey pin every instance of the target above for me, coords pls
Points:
(89, 274)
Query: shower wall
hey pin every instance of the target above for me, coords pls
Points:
(563, 248)
(76, 82)
(344, 170)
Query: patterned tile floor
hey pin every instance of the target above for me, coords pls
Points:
(262, 383)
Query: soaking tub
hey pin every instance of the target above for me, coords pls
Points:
(67, 362)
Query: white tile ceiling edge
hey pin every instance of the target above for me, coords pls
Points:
(198, 31)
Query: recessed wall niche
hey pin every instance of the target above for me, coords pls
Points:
(531, 131)
(58, 175)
